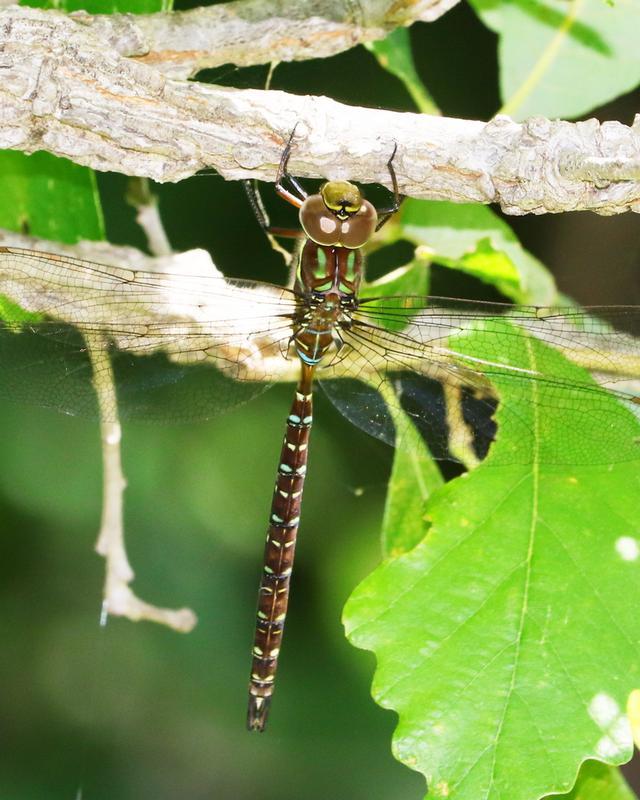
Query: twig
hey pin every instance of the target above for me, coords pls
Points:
(63, 90)
(141, 197)
(247, 32)
(119, 598)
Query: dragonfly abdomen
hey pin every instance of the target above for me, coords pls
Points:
(273, 596)
(311, 347)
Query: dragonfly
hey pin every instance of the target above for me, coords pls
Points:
(189, 345)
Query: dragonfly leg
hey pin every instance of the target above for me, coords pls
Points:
(285, 349)
(255, 201)
(295, 199)
(385, 214)
(257, 206)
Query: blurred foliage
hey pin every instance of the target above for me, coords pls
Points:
(599, 782)
(134, 711)
(395, 56)
(49, 197)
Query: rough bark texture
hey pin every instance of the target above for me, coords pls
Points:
(63, 89)
(247, 32)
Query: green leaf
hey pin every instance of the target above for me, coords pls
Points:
(414, 474)
(472, 238)
(12, 313)
(597, 781)
(414, 478)
(49, 197)
(413, 278)
(508, 640)
(392, 288)
(562, 59)
(395, 55)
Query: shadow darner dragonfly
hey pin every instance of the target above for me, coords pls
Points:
(190, 345)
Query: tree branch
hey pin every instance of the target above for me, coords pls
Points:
(247, 32)
(63, 90)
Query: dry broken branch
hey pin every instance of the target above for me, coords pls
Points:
(247, 32)
(119, 599)
(63, 90)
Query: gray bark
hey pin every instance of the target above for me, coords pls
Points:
(247, 32)
(63, 89)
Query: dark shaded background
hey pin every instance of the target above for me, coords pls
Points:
(134, 711)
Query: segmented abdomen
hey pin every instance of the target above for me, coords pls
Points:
(284, 519)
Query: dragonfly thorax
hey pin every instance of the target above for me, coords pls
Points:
(318, 331)
(324, 269)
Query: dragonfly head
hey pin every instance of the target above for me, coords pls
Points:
(338, 216)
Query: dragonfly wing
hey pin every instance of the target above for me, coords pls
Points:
(401, 347)
(180, 347)
(455, 424)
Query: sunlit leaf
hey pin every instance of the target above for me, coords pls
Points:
(562, 59)
(11, 312)
(413, 278)
(472, 238)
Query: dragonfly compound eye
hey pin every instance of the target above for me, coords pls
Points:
(360, 227)
(330, 228)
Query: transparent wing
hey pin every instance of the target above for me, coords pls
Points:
(185, 347)
(423, 355)
(181, 346)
